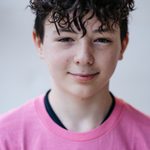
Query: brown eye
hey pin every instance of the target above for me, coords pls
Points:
(102, 40)
(67, 39)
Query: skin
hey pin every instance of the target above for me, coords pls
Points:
(80, 70)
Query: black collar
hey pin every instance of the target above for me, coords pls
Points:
(55, 118)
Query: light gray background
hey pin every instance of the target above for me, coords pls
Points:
(23, 75)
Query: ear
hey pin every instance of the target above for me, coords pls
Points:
(124, 44)
(38, 44)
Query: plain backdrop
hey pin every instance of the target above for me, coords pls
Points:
(23, 75)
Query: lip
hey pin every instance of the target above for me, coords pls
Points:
(84, 77)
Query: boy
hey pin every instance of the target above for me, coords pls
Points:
(81, 41)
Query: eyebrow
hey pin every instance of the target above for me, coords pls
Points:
(61, 30)
(103, 30)
(65, 30)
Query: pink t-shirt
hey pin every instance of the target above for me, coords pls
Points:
(30, 128)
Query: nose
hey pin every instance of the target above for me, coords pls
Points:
(84, 55)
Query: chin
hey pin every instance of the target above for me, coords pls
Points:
(82, 92)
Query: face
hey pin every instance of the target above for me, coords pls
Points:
(78, 66)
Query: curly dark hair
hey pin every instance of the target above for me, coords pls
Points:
(108, 12)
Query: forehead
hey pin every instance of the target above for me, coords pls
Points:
(92, 24)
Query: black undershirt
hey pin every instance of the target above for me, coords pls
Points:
(54, 117)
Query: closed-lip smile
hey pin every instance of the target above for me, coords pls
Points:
(83, 77)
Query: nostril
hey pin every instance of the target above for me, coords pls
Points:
(77, 62)
(90, 62)
(85, 62)
(84, 58)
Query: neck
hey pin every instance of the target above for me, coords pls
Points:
(78, 114)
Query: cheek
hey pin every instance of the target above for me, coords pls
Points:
(108, 61)
(57, 61)
(114, 53)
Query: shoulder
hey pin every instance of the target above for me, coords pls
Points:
(134, 115)
(19, 114)
(135, 123)
(16, 122)
(16, 114)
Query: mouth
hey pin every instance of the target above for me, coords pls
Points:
(83, 77)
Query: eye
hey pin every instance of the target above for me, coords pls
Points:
(103, 40)
(65, 39)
